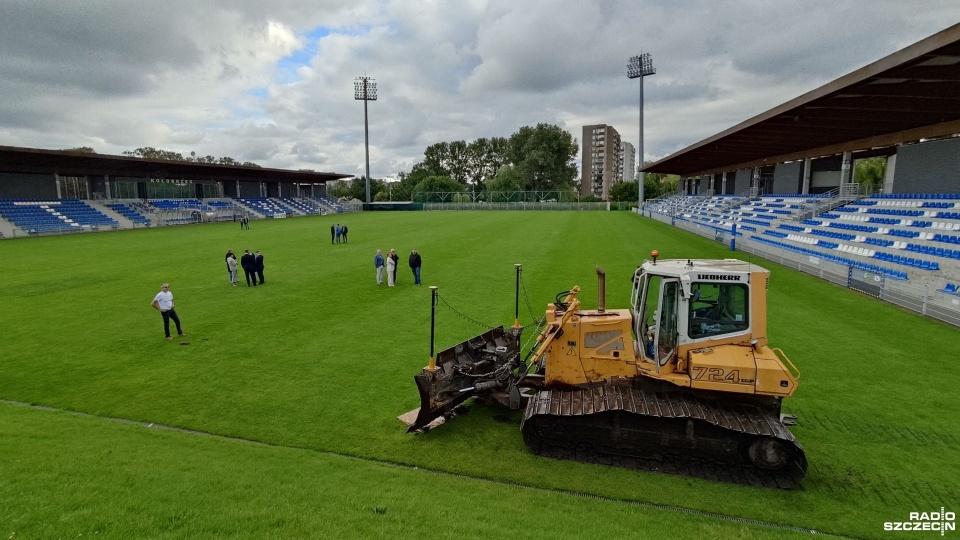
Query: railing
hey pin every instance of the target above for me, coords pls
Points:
(925, 299)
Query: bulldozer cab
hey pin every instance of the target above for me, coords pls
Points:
(680, 304)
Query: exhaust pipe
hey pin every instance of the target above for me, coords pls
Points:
(601, 290)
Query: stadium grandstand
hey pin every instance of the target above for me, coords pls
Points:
(60, 192)
(780, 185)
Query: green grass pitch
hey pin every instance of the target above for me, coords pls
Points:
(289, 392)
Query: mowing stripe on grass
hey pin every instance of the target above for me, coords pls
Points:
(722, 517)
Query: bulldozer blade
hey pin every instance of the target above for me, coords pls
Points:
(410, 417)
(482, 366)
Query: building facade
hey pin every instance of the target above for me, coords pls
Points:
(629, 167)
(601, 164)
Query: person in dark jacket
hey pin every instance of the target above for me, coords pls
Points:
(415, 262)
(343, 232)
(247, 262)
(333, 233)
(258, 266)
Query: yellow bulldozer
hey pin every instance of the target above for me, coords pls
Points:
(681, 382)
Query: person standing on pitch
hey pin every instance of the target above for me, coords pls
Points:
(227, 260)
(258, 265)
(343, 232)
(391, 268)
(232, 268)
(396, 262)
(163, 302)
(333, 232)
(247, 262)
(415, 263)
(378, 263)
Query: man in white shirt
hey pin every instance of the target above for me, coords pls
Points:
(163, 302)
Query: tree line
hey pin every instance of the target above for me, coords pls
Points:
(149, 152)
(533, 158)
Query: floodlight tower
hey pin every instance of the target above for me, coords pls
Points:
(637, 68)
(366, 90)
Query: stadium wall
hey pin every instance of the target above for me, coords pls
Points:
(703, 184)
(930, 167)
(825, 174)
(741, 182)
(27, 186)
(788, 177)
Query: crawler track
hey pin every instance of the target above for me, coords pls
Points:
(656, 428)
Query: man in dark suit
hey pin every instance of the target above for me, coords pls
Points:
(247, 261)
(258, 267)
(333, 232)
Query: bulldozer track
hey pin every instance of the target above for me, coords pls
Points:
(554, 418)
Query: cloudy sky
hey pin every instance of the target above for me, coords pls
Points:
(271, 81)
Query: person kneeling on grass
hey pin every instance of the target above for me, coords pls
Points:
(163, 302)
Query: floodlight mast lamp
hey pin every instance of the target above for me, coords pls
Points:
(637, 68)
(364, 89)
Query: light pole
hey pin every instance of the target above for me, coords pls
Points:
(637, 68)
(365, 89)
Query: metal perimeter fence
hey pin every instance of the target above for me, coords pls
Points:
(513, 200)
(923, 299)
(601, 206)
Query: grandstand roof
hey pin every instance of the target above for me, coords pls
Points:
(65, 163)
(914, 93)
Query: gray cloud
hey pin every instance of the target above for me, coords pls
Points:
(272, 82)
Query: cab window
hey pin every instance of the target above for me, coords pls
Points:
(718, 308)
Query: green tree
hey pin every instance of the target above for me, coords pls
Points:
(657, 184)
(484, 159)
(80, 150)
(506, 179)
(436, 160)
(356, 188)
(870, 172)
(403, 190)
(338, 189)
(504, 185)
(439, 184)
(624, 191)
(149, 152)
(544, 156)
(458, 164)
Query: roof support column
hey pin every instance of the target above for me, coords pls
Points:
(845, 168)
(805, 189)
(847, 190)
(723, 183)
(890, 173)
